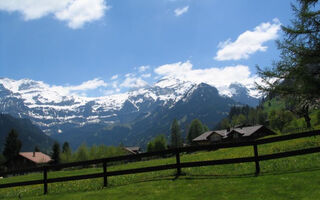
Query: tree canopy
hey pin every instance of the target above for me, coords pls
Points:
(296, 76)
(157, 144)
(12, 145)
(56, 153)
(176, 140)
(196, 129)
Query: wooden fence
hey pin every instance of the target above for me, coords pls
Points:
(178, 165)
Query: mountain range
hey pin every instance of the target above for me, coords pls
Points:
(131, 118)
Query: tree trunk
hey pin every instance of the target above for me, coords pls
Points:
(307, 119)
(306, 116)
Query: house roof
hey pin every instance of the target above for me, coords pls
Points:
(245, 131)
(203, 136)
(133, 150)
(36, 157)
(248, 130)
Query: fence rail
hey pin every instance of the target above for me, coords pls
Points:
(178, 165)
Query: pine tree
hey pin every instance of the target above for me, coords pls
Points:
(36, 149)
(176, 140)
(296, 76)
(196, 129)
(56, 153)
(12, 145)
(66, 147)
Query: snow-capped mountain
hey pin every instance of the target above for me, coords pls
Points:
(55, 110)
(52, 106)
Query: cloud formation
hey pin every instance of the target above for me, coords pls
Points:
(114, 77)
(146, 75)
(143, 68)
(80, 89)
(248, 42)
(180, 11)
(75, 12)
(88, 85)
(220, 78)
(133, 82)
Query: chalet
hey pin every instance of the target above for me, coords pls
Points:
(133, 150)
(240, 133)
(28, 160)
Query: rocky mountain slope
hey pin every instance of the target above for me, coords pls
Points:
(132, 117)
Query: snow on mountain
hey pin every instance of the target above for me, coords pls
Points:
(54, 108)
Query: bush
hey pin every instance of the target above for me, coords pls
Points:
(157, 144)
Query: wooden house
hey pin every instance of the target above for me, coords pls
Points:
(133, 150)
(28, 160)
(240, 133)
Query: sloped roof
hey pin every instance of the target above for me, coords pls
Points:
(133, 150)
(245, 131)
(248, 130)
(203, 136)
(36, 157)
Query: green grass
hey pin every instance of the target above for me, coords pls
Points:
(288, 178)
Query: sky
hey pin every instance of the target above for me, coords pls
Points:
(103, 47)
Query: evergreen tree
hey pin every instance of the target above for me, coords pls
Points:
(66, 147)
(66, 155)
(12, 145)
(296, 76)
(56, 153)
(36, 149)
(196, 129)
(176, 140)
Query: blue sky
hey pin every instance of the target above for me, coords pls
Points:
(87, 42)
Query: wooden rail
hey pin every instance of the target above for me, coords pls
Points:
(178, 165)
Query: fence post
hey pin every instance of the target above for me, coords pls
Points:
(105, 180)
(45, 180)
(178, 162)
(256, 158)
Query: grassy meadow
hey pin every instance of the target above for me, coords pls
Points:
(288, 178)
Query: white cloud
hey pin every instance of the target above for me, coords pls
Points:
(220, 78)
(248, 42)
(114, 77)
(75, 12)
(129, 75)
(146, 75)
(133, 82)
(115, 84)
(181, 11)
(78, 90)
(143, 68)
(88, 85)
